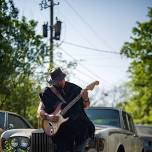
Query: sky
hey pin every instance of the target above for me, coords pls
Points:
(100, 24)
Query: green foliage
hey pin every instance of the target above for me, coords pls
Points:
(23, 98)
(22, 51)
(139, 50)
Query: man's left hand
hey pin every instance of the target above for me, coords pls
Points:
(84, 95)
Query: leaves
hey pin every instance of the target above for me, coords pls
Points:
(140, 70)
(21, 53)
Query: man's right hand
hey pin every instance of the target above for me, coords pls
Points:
(53, 118)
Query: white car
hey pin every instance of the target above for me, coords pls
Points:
(115, 132)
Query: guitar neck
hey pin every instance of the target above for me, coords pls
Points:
(66, 108)
(89, 87)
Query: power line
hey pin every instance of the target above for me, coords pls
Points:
(76, 30)
(76, 60)
(87, 24)
(94, 49)
(84, 82)
(85, 47)
(93, 75)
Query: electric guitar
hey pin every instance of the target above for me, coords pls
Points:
(51, 128)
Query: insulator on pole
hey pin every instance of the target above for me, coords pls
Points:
(45, 30)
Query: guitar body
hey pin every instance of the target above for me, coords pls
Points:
(51, 128)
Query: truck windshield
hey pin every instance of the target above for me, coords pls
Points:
(2, 119)
(108, 117)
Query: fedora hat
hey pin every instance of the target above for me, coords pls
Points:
(56, 76)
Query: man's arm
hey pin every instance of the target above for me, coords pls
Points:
(41, 111)
(42, 114)
(86, 101)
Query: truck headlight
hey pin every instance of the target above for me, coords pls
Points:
(24, 143)
(20, 142)
(14, 142)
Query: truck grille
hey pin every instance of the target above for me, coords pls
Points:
(40, 142)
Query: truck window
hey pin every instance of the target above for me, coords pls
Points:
(131, 124)
(16, 122)
(2, 119)
(108, 117)
(125, 121)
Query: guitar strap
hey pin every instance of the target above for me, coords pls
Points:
(54, 90)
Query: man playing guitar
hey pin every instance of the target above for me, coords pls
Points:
(73, 133)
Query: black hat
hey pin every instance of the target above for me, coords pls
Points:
(56, 76)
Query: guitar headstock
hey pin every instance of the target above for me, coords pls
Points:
(92, 85)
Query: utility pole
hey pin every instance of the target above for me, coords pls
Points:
(53, 28)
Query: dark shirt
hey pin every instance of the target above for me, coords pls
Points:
(78, 126)
(69, 92)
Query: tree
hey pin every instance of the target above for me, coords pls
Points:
(23, 55)
(114, 97)
(139, 50)
(22, 51)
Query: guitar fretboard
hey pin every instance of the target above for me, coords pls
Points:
(89, 87)
(66, 108)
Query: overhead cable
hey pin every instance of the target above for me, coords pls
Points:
(93, 74)
(87, 24)
(88, 48)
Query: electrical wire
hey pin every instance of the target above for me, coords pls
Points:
(88, 25)
(83, 37)
(94, 49)
(93, 75)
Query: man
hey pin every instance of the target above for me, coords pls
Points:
(72, 134)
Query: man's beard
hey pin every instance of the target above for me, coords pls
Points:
(59, 86)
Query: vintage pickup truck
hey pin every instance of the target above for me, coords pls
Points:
(115, 132)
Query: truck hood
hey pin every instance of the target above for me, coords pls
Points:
(103, 130)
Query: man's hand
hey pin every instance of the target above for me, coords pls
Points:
(84, 95)
(53, 118)
(86, 104)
